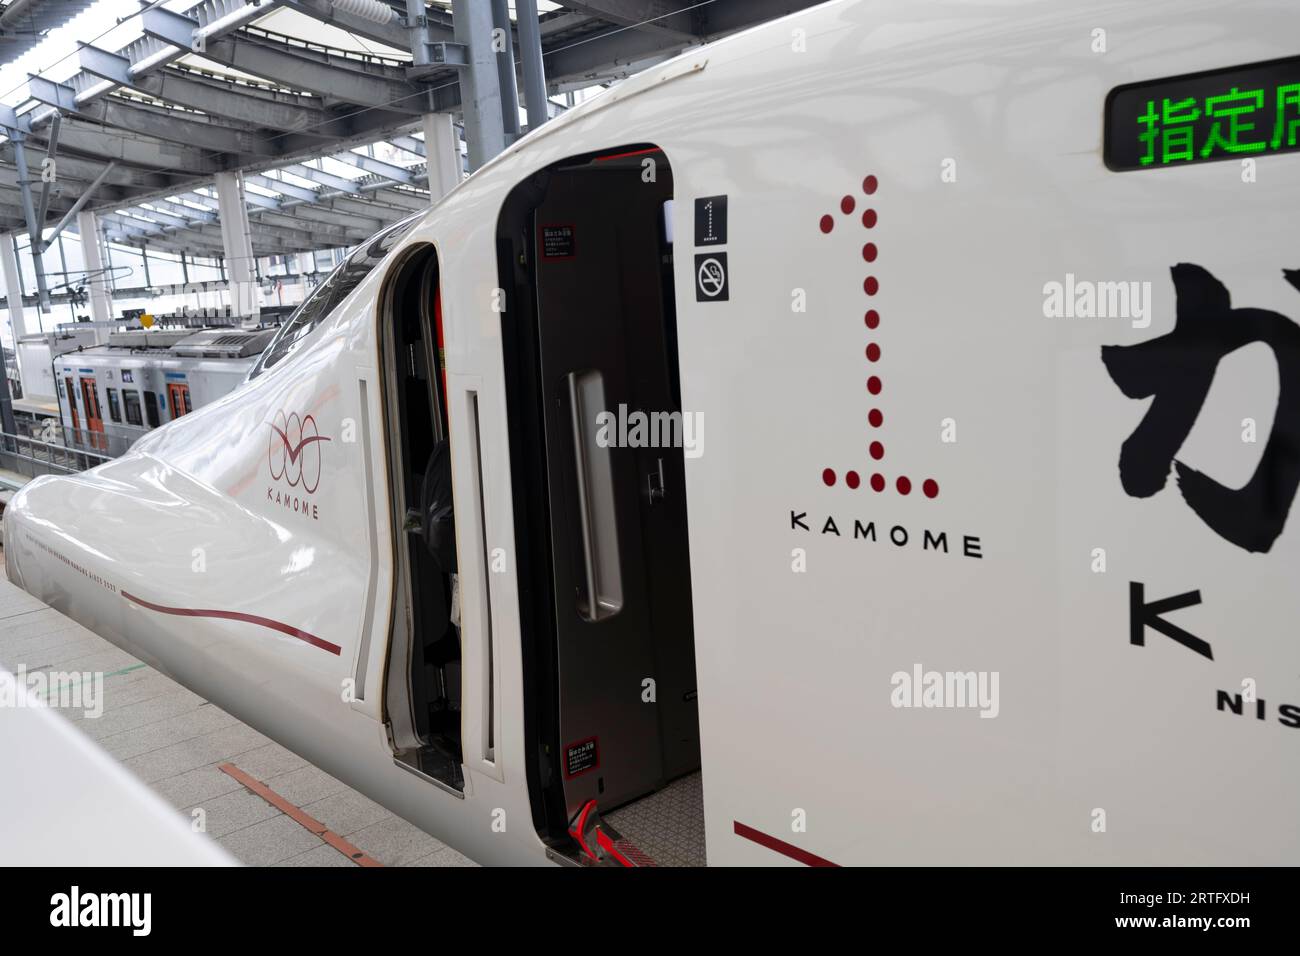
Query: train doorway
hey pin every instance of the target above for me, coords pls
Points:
(610, 688)
(178, 399)
(423, 686)
(71, 391)
(94, 422)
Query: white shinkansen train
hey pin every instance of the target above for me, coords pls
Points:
(977, 312)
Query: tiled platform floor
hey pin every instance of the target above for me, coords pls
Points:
(174, 741)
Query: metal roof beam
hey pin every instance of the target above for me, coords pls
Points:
(377, 208)
(318, 212)
(325, 179)
(259, 201)
(59, 202)
(656, 17)
(371, 165)
(198, 198)
(398, 197)
(333, 234)
(409, 143)
(188, 213)
(393, 33)
(74, 168)
(280, 186)
(128, 225)
(83, 137)
(175, 126)
(320, 72)
(240, 103)
(103, 64)
(160, 217)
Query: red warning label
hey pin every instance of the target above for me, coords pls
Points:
(581, 757)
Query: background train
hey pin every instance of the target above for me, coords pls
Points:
(110, 395)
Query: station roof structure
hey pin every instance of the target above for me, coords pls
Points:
(24, 23)
(318, 103)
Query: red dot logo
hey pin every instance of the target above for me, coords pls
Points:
(293, 452)
(873, 351)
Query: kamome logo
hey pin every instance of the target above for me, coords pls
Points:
(293, 452)
(134, 910)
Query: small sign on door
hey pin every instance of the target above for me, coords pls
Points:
(581, 757)
(711, 221)
(558, 242)
(711, 277)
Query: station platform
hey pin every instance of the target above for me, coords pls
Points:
(263, 804)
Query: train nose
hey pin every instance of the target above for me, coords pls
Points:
(15, 524)
(10, 522)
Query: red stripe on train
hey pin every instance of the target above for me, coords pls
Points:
(289, 629)
(780, 846)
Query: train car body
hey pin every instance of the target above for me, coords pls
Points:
(112, 394)
(965, 567)
(36, 353)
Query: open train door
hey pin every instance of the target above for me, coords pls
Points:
(593, 342)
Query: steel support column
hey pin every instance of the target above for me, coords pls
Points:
(506, 71)
(17, 322)
(442, 154)
(530, 61)
(34, 229)
(13, 285)
(101, 306)
(238, 245)
(480, 90)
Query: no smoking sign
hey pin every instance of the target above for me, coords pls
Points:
(711, 277)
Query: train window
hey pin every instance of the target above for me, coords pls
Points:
(131, 405)
(114, 411)
(333, 290)
(151, 408)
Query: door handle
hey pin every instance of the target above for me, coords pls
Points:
(601, 573)
(584, 497)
